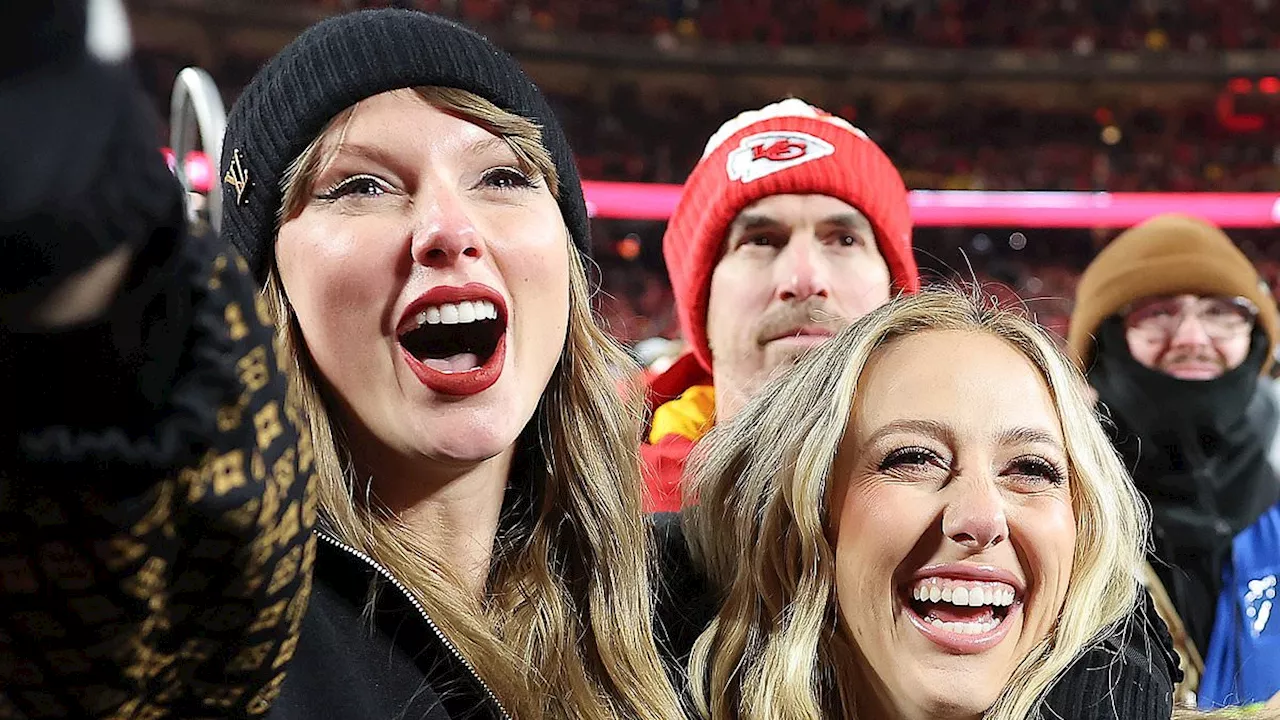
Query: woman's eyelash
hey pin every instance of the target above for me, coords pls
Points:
(348, 186)
(1040, 467)
(1030, 466)
(505, 178)
(908, 456)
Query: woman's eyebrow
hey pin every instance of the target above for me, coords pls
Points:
(484, 146)
(373, 153)
(932, 428)
(1027, 436)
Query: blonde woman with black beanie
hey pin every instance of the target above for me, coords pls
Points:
(370, 462)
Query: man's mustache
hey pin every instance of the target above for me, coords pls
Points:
(1177, 357)
(790, 318)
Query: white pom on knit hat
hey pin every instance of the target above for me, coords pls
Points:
(791, 107)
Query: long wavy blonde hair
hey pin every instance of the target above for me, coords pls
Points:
(756, 520)
(564, 629)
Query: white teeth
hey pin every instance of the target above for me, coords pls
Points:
(466, 312)
(965, 628)
(457, 313)
(963, 593)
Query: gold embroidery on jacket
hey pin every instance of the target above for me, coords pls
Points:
(221, 550)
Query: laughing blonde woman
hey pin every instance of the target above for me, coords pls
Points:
(922, 520)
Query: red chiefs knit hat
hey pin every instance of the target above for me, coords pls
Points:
(789, 147)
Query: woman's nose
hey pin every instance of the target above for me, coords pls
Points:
(445, 233)
(975, 514)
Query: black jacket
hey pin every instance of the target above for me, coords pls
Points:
(390, 662)
(1128, 676)
(159, 556)
(1199, 451)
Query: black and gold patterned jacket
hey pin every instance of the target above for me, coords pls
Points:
(159, 556)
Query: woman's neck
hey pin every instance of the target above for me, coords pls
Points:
(452, 509)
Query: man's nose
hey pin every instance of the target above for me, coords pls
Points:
(802, 270)
(1190, 331)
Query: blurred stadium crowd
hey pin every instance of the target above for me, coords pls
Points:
(993, 140)
(1082, 26)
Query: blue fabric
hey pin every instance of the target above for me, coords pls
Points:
(1242, 664)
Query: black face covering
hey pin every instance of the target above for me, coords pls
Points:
(1198, 451)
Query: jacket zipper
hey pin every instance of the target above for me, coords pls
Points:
(453, 649)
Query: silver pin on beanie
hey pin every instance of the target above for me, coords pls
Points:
(341, 61)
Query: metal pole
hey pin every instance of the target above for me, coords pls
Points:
(197, 118)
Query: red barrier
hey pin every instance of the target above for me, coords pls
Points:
(975, 208)
(953, 208)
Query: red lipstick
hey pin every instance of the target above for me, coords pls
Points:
(468, 382)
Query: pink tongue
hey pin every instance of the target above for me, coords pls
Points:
(461, 362)
(946, 612)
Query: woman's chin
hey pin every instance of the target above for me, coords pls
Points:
(947, 685)
(461, 436)
(466, 449)
(953, 693)
(955, 707)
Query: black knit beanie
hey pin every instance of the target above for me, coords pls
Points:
(341, 61)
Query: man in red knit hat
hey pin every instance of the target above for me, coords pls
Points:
(792, 225)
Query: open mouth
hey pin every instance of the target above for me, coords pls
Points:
(454, 339)
(962, 615)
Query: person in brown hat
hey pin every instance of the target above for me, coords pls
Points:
(1176, 331)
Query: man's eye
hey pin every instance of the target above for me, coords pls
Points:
(761, 240)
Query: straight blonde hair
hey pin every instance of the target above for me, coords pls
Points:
(757, 510)
(565, 628)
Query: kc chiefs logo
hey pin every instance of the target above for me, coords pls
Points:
(770, 152)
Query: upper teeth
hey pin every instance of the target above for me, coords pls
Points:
(963, 592)
(459, 312)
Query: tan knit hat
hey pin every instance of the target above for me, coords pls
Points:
(1166, 255)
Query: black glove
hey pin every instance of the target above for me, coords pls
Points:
(80, 169)
(41, 34)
